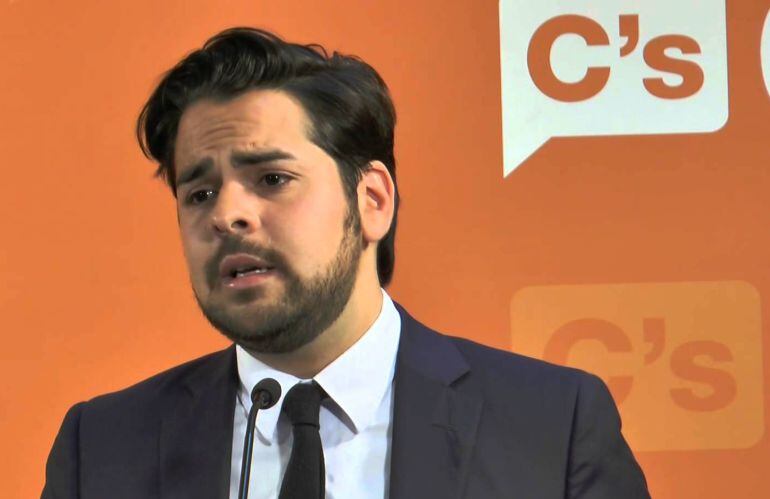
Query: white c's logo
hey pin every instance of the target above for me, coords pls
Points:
(587, 67)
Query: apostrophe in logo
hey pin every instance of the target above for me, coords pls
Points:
(682, 360)
(610, 68)
(765, 52)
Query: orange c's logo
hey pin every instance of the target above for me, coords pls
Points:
(608, 334)
(682, 360)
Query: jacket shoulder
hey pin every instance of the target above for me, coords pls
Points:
(510, 364)
(157, 388)
(484, 369)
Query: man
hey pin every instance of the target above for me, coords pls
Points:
(281, 161)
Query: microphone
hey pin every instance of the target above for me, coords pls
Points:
(264, 396)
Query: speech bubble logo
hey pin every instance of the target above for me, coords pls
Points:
(587, 68)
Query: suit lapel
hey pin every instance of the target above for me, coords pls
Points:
(434, 425)
(196, 433)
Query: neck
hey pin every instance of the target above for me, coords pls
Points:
(357, 317)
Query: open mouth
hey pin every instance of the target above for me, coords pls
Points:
(236, 273)
(243, 270)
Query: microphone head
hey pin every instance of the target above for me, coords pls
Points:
(266, 393)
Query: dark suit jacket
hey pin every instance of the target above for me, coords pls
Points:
(468, 422)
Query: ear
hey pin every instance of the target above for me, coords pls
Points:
(376, 201)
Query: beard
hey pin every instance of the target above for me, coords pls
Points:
(306, 309)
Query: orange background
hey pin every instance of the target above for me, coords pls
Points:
(95, 293)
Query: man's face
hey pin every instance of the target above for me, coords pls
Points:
(271, 243)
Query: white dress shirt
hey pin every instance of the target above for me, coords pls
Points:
(355, 420)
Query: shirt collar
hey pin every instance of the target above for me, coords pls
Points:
(356, 381)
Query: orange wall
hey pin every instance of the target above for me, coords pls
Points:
(661, 239)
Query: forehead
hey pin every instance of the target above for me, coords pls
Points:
(254, 120)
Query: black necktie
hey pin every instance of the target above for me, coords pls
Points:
(305, 476)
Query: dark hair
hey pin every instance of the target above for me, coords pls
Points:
(348, 104)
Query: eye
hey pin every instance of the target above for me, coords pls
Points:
(275, 179)
(201, 196)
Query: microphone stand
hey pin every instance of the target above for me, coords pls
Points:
(264, 395)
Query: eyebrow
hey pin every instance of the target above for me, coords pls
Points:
(238, 158)
(199, 169)
(250, 158)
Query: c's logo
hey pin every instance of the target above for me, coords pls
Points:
(596, 78)
(683, 360)
(609, 68)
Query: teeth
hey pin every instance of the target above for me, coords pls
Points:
(240, 273)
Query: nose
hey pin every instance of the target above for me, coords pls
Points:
(234, 212)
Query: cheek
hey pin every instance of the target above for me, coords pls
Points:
(309, 231)
(195, 253)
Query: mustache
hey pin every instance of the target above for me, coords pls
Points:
(231, 245)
